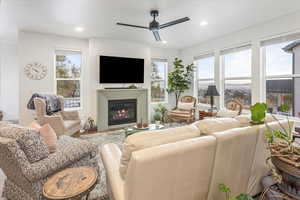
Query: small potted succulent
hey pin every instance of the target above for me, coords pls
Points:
(258, 113)
(157, 118)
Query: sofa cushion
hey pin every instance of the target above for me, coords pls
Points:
(212, 125)
(69, 150)
(227, 113)
(29, 140)
(49, 136)
(246, 119)
(149, 139)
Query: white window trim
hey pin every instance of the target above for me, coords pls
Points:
(197, 79)
(165, 80)
(80, 79)
(244, 47)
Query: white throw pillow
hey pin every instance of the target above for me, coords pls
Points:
(212, 125)
(227, 113)
(244, 119)
(185, 106)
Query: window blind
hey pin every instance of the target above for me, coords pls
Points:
(207, 55)
(281, 39)
(235, 49)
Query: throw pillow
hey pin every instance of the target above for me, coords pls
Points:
(185, 106)
(33, 146)
(29, 140)
(35, 125)
(212, 125)
(50, 137)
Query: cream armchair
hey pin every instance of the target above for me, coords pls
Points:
(63, 122)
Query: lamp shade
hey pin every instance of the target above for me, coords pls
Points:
(212, 91)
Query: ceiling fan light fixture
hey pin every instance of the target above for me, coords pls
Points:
(79, 29)
(203, 23)
(164, 42)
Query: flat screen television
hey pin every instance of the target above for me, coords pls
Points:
(121, 70)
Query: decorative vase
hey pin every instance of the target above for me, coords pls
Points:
(290, 184)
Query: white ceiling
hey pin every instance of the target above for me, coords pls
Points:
(98, 17)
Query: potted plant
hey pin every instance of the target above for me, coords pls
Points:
(227, 191)
(162, 110)
(285, 156)
(180, 79)
(157, 118)
(258, 113)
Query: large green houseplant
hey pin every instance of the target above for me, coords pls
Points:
(180, 79)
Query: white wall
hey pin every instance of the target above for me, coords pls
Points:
(34, 47)
(253, 35)
(9, 80)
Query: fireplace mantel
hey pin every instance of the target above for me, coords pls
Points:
(104, 95)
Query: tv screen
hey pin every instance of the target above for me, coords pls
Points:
(121, 70)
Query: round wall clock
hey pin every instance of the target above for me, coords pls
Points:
(35, 71)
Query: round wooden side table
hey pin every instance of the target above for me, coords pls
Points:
(72, 183)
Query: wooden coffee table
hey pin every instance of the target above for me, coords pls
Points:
(72, 183)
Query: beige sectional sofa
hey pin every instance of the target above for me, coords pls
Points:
(189, 162)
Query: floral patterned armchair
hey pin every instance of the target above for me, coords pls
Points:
(27, 164)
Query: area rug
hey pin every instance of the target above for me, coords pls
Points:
(116, 137)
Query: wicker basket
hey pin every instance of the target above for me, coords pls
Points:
(290, 177)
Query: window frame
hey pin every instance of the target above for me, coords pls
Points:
(74, 52)
(199, 80)
(165, 79)
(240, 78)
(266, 77)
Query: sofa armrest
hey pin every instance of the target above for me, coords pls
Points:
(70, 115)
(111, 156)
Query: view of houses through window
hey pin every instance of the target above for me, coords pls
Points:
(237, 67)
(158, 80)
(281, 79)
(205, 77)
(68, 77)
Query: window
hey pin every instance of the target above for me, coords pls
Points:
(237, 75)
(205, 77)
(158, 80)
(281, 79)
(68, 77)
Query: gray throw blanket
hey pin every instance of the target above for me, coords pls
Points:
(52, 103)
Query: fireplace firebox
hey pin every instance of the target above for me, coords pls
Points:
(122, 111)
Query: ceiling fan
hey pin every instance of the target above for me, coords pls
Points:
(154, 26)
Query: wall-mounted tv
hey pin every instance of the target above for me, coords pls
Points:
(121, 70)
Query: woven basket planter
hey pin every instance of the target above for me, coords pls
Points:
(290, 177)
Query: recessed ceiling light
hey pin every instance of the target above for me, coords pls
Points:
(164, 42)
(203, 23)
(79, 29)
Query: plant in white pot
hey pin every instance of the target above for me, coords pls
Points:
(157, 118)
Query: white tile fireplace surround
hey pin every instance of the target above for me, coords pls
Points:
(138, 111)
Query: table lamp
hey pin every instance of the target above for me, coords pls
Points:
(212, 92)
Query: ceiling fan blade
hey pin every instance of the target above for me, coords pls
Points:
(178, 21)
(156, 35)
(130, 25)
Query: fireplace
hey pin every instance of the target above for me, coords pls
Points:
(122, 111)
